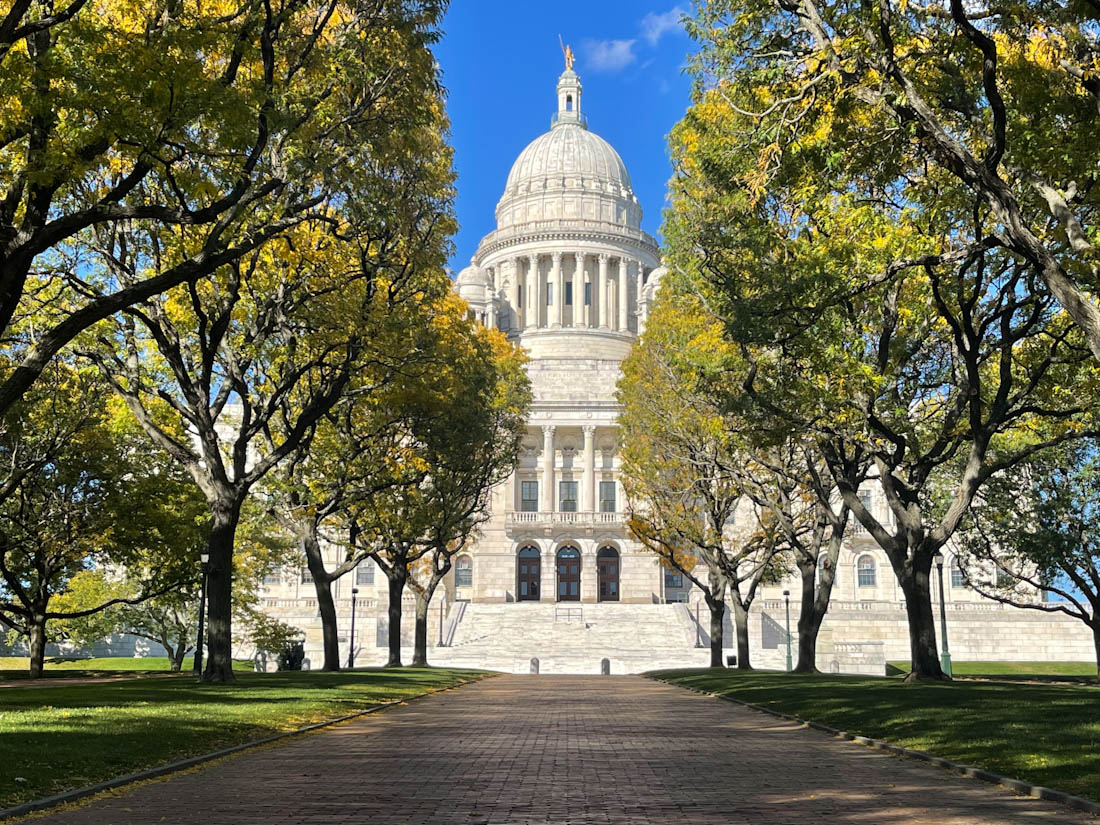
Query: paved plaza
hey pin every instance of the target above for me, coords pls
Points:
(568, 749)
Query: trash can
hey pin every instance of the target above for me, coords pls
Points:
(731, 661)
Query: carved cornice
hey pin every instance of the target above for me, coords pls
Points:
(641, 241)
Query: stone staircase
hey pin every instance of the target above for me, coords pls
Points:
(573, 638)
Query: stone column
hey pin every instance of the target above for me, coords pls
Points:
(521, 293)
(589, 468)
(578, 290)
(547, 496)
(624, 276)
(602, 300)
(557, 278)
(533, 298)
(641, 269)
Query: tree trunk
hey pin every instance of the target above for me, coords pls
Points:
(741, 629)
(809, 620)
(1096, 644)
(915, 584)
(397, 575)
(717, 613)
(322, 584)
(176, 657)
(226, 514)
(420, 647)
(37, 643)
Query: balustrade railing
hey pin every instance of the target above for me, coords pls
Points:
(562, 517)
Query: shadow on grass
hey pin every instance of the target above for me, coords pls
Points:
(64, 736)
(1044, 734)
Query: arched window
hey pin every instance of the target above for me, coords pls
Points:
(957, 578)
(865, 571)
(464, 572)
(569, 103)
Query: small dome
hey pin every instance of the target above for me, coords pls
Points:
(472, 284)
(653, 283)
(472, 275)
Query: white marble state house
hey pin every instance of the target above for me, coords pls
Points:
(554, 581)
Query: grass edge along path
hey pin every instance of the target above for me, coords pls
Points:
(55, 740)
(1043, 737)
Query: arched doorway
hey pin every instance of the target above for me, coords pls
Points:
(569, 574)
(607, 567)
(529, 573)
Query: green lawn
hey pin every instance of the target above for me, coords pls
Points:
(1044, 734)
(66, 736)
(15, 667)
(1031, 671)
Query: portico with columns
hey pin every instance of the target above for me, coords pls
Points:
(569, 274)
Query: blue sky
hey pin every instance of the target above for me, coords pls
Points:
(501, 62)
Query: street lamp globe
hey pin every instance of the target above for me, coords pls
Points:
(204, 558)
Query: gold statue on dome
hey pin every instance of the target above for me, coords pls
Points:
(570, 59)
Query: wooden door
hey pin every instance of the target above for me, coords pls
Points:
(530, 572)
(569, 575)
(607, 567)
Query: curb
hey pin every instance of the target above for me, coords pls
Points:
(1018, 785)
(192, 761)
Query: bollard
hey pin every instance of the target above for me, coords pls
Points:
(605, 667)
(534, 665)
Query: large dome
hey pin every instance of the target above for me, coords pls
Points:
(568, 174)
(569, 149)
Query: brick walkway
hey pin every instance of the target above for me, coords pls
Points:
(565, 749)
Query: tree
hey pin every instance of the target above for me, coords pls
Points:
(479, 450)
(871, 290)
(998, 103)
(187, 134)
(171, 619)
(1033, 527)
(230, 376)
(458, 427)
(799, 494)
(684, 467)
(79, 498)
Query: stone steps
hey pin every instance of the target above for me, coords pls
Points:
(573, 638)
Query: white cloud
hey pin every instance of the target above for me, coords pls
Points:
(655, 26)
(609, 55)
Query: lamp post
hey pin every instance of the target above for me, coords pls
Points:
(945, 653)
(698, 627)
(205, 559)
(351, 640)
(787, 599)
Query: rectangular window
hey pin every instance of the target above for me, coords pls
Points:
(567, 493)
(957, 578)
(529, 496)
(673, 579)
(569, 293)
(364, 573)
(607, 496)
(519, 297)
(272, 577)
(588, 295)
(549, 295)
(307, 577)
